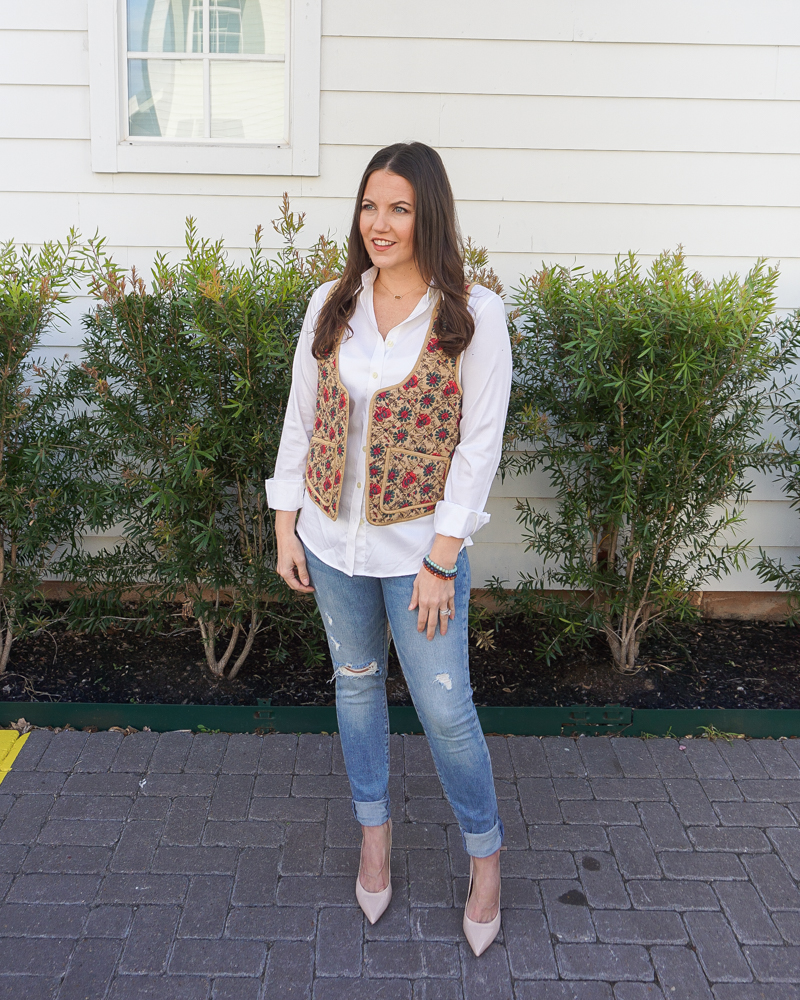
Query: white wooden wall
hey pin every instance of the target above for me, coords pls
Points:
(572, 130)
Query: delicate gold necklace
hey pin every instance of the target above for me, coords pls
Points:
(390, 292)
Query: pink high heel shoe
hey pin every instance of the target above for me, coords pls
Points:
(374, 903)
(479, 936)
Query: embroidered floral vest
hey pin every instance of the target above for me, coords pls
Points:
(411, 436)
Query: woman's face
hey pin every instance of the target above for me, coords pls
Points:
(387, 220)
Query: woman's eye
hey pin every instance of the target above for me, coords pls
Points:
(366, 206)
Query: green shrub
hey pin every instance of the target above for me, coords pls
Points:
(786, 413)
(188, 381)
(41, 435)
(642, 396)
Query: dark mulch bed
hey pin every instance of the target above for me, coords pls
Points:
(713, 664)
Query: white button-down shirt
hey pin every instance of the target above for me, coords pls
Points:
(368, 363)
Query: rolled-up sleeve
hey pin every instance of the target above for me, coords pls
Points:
(286, 488)
(486, 385)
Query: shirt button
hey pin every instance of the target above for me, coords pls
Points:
(358, 486)
(364, 448)
(362, 521)
(390, 343)
(374, 374)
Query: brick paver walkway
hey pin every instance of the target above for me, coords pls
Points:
(185, 867)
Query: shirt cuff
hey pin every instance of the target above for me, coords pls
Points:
(456, 521)
(285, 494)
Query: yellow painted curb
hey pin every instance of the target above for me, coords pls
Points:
(10, 745)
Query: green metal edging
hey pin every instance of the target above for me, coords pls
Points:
(611, 720)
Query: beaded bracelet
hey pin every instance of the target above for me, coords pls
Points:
(440, 571)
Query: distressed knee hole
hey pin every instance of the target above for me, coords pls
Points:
(446, 681)
(348, 670)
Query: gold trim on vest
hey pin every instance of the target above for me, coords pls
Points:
(328, 448)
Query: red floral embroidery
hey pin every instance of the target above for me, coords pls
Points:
(412, 435)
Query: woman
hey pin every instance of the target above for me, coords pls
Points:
(391, 440)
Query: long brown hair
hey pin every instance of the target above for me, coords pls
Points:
(437, 250)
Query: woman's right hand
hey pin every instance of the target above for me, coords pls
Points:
(291, 555)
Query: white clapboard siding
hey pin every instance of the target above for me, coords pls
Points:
(50, 15)
(511, 266)
(772, 523)
(26, 165)
(568, 69)
(47, 112)
(579, 175)
(572, 132)
(41, 58)
(551, 175)
(732, 22)
(531, 227)
(736, 22)
(499, 122)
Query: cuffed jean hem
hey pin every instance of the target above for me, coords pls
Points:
(481, 845)
(371, 813)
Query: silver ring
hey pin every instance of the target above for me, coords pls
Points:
(445, 612)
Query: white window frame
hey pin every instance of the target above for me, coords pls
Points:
(114, 152)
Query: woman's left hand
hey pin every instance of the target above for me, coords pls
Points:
(432, 595)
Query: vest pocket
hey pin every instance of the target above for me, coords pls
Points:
(324, 474)
(412, 479)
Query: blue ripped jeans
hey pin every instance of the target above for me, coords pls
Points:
(355, 610)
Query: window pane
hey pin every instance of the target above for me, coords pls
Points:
(247, 101)
(165, 25)
(165, 98)
(251, 26)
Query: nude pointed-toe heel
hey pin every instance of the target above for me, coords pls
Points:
(374, 903)
(479, 936)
